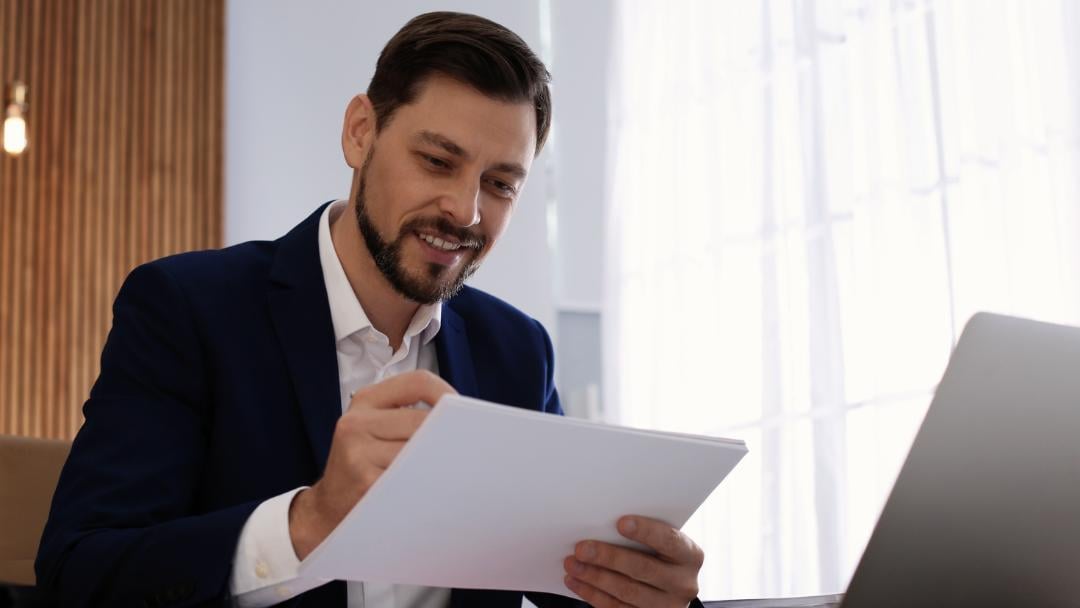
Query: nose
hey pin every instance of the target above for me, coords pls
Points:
(462, 204)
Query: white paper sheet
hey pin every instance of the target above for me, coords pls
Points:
(487, 496)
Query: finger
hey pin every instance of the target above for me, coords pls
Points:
(395, 425)
(359, 425)
(592, 595)
(401, 390)
(382, 453)
(632, 563)
(619, 586)
(661, 537)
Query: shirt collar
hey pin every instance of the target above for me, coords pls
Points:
(346, 313)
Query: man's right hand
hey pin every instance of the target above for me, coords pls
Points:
(367, 438)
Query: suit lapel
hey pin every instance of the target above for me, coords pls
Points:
(301, 315)
(455, 358)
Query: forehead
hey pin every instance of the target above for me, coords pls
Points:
(488, 129)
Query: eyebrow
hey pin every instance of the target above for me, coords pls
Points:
(513, 169)
(447, 144)
(443, 142)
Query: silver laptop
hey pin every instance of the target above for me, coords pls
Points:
(986, 510)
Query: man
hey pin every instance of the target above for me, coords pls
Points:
(216, 454)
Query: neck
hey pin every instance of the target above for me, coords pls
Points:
(389, 311)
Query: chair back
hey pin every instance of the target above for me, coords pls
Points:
(29, 470)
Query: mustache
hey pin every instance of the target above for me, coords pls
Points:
(443, 226)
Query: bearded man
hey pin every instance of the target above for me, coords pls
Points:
(249, 397)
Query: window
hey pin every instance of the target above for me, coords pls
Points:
(809, 200)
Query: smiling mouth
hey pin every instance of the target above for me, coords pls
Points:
(445, 244)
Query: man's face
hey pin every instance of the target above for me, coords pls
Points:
(438, 185)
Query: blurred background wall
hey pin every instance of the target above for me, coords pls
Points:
(165, 127)
(124, 165)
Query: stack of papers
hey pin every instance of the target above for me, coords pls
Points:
(487, 496)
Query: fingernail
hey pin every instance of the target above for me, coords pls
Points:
(629, 526)
(588, 551)
(577, 566)
(571, 583)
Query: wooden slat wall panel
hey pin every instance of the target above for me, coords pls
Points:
(124, 166)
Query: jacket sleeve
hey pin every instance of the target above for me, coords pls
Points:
(123, 529)
(551, 394)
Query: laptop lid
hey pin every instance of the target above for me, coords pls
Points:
(986, 509)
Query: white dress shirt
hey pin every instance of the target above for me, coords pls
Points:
(265, 566)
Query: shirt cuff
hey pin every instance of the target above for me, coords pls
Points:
(265, 569)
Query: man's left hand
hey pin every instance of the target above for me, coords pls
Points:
(606, 575)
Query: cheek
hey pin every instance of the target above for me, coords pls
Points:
(392, 197)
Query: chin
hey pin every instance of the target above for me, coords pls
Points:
(429, 284)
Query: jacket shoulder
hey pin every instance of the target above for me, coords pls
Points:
(477, 307)
(241, 262)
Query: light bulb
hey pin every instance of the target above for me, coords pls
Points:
(14, 133)
(15, 122)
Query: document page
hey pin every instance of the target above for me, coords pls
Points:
(488, 496)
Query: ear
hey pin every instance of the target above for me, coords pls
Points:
(358, 132)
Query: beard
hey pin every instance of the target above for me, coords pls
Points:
(435, 282)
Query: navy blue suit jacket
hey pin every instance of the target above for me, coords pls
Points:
(219, 389)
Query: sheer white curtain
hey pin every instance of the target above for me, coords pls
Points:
(809, 199)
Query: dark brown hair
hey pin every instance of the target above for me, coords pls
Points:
(476, 51)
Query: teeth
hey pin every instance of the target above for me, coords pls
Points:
(435, 241)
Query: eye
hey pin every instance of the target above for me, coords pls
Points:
(436, 162)
(503, 188)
